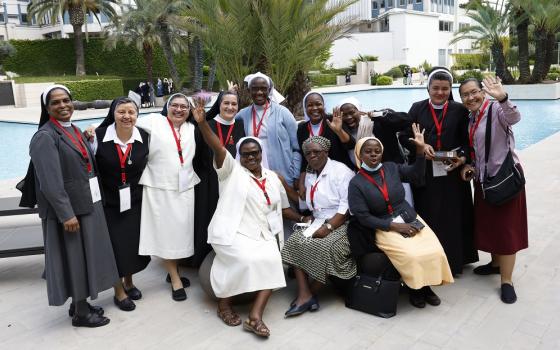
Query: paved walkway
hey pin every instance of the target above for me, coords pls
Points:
(471, 315)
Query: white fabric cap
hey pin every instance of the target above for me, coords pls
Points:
(273, 94)
(305, 116)
(50, 88)
(441, 70)
(264, 161)
(353, 101)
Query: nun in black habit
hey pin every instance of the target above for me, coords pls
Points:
(79, 261)
(445, 202)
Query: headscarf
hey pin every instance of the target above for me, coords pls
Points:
(305, 116)
(215, 109)
(264, 161)
(178, 94)
(442, 70)
(27, 185)
(324, 142)
(273, 94)
(110, 118)
(359, 146)
(365, 126)
(45, 100)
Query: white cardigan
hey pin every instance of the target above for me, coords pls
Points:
(162, 170)
(234, 182)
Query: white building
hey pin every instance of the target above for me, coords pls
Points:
(16, 24)
(402, 32)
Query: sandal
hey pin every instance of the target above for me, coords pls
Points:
(256, 326)
(229, 317)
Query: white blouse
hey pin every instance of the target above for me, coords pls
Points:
(331, 192)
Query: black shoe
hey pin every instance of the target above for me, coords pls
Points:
(508, 294)
(416, 298)
(311, 305)
(179, 294)
(125, 305)
(430, 297)
(487, 269)
(95, 309)
(186, 282)
(91, 320)
(133, 293)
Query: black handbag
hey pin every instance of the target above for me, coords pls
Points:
(374, 295)
(508, 181)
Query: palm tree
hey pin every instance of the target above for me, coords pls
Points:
(77, 11)
(141, 26)
(490, 24)
(520, 20)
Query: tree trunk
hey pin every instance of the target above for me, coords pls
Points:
(522, 30)
(196, 60)
(168, 53)
(212, 75)
(295, 93)
(549, 56)
(148, 54)
(500, 62)
(540, 55)
(77, 20)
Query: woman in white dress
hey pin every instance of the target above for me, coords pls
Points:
(246, 228)
(167, 219)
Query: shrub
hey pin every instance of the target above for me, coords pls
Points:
(373, 78)
(470, 60)
(403, 67)
(322, 79)
(554, 69)
(471, 74)
(90, 90)
(552, 76)
(394, 72)
(384, 80)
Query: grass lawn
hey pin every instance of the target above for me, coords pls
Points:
(59, 78)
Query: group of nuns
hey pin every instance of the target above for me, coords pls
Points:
(323, 197)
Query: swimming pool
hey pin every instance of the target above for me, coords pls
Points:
(539, 120)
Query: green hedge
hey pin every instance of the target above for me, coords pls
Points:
(394, 72)
(470, 74)
(552, 76)
(384, 80)
(322, 79)
(56, 57)
(89, 90)
(470, 60)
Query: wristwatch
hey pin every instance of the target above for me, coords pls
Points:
(328, 226)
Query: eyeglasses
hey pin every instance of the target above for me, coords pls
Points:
(470, 94)
(250, 154)
(180, 107)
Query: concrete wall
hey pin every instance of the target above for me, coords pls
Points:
(534, 92)
(376, 44)
(28, 95)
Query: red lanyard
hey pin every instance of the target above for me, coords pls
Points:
(384, 191)
(122, 159)
(311, 129)
(227, 140)
(475, 126)
(263, 188)
(257, 129)
(439, 125)
(312, 194)
(77, 141)
(177, 142)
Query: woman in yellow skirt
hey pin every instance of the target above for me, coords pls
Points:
(376, 198)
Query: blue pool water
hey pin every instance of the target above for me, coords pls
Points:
(539, 120)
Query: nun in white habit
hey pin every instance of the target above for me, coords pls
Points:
(246, 230)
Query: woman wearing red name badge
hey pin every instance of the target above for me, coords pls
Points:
(167, 224)
(499, 229)
(121, 152)
(445, 201)
(79, 260)
(221, 119)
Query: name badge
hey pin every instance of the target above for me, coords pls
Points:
(183, 180)
(124, 198)
(94, 188)
(439, 168)
(274, 222)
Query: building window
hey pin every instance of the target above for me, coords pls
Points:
(2, 17)
(374, 5)
(445, 26)
(402, 2)
(419, 1)
(389, 3)
(23, 18)
(382, 4)
(463, 25)
(410, 2)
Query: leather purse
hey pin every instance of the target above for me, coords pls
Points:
(508, 181)
(374, 295)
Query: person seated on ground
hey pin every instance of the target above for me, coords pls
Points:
(325, 251)
(376, 199)
(318, 123)
(500, 230)
(245, 227)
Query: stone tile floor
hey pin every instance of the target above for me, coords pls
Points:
(471, 315)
